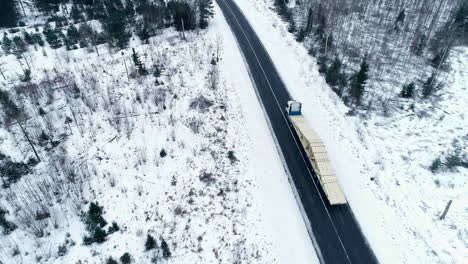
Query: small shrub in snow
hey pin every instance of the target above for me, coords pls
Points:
(150, 243)
(15, 251)
(62, 250)
(11, 172)
(454, 160)
(126, 258)
(7, 226)
(111, 260)
(231, 156)
(113, 228)
(98, 235)
(436, 165)
(201, 103)
(163, 153)
(165, 249)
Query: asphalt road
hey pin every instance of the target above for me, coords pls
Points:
(334, 231)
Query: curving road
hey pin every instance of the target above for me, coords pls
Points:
(334, 231)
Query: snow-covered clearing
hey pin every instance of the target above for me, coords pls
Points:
(186, 157)
(383, 162)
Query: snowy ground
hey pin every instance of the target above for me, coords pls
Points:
(383, 162)
(219, 195)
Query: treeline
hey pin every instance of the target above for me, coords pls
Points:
(118, 18)
(355, 40)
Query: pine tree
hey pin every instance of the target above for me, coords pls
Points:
(7, 44)
(165, 249)
(419, 44)
(8, 13)
(7, 226)
(150, 243)
(143, 33)
(429, 86)
(94, 223)
(322, 63)
(20, 46)
(37, 38)
(333, 75)
(73, 35)
(49, 6)
(205, 9)
(76, 14)
(359, 81)
(136, 60)
(94, 216)
(126, 258)
(28, 37)
(111, 260)
(52, 36)
(400, 19)
(11, 110)
(182, 14)
(115, 26)
(408, 90)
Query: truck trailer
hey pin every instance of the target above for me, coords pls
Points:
(317, 154)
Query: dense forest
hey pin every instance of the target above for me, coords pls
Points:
(404, 42)
(119, 19)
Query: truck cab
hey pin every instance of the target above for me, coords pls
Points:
(294, 108)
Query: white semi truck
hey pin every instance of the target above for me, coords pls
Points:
(317, 153)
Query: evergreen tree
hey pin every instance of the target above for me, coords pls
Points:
(76, 14)
(300, 35)
(461, 22)
(111, 260)
(7, 226)
(359, 81)
(9, 107)
(7, 44)
(126, 258)
(97, 11)
(408, 90)
(52, 36)
(150, 243)
(400, 20)
(94, 223)
(322, 63)
(20, 46)
(334, 75)
(165, 249)
(8, 13)
(419, 44)
(49, 6)
(205, 9)
(182, 15)
(143, 33)
(429, 86)
(136, 60)
(94, 216)
(115, 26)
(72, 34)
(28, 37)
(129, 10)
(37, 38)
